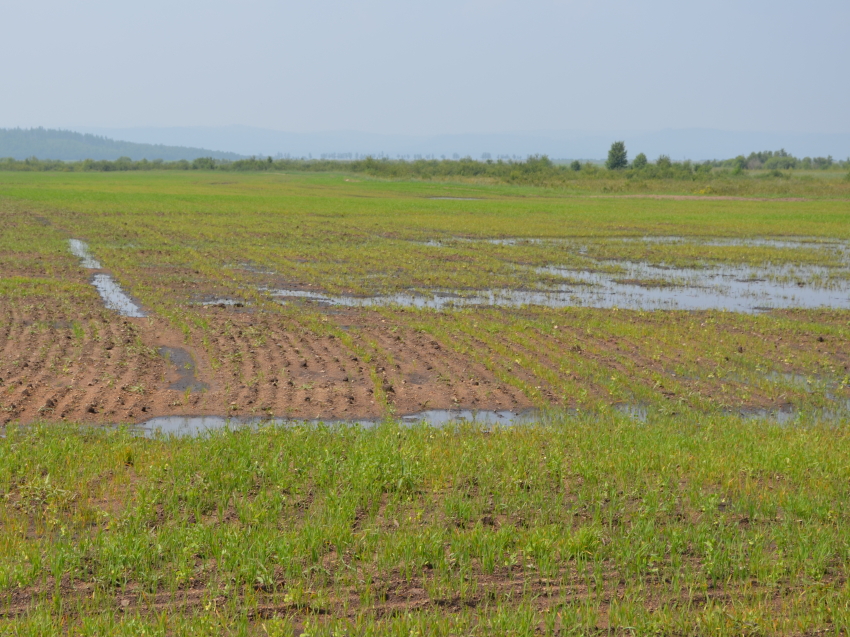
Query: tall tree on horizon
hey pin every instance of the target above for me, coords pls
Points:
(617, 157)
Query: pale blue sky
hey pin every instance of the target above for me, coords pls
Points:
(426, 68)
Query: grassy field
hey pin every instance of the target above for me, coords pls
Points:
(596, 524)
(686, 477)
(359, 236)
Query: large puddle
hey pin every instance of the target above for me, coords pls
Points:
(114, 297)
(197, 425)
(641, 285)
(740, 289)
(438, 301)
(795, 243)
(839, 414)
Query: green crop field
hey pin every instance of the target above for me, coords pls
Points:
(679, 353)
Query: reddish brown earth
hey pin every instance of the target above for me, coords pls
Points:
(73, 362)
(252, 366)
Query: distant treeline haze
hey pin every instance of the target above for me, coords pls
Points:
(533, 170)
(71, 146)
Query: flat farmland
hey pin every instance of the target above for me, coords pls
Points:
(339, 298)
(679, 364)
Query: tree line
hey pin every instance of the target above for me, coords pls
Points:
(767, 160)
(534, 170)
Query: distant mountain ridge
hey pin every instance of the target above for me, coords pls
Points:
(67, 145)
(235, 142)
(692, 143)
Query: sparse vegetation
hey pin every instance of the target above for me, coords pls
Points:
(656, 494)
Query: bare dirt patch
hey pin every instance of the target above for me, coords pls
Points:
(61, 361)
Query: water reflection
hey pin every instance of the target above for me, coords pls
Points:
(114, 298)
(185, 365)
(80, 249)
(197, 425)
(735, 288)
(638, 286)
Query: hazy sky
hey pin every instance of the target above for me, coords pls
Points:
(430, 67)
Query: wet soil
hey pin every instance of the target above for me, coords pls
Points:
(83, 365)
(185, 365)
(61, 361)
(96, 366)
(71, 359)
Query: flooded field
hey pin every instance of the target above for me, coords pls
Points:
(313, 404)
(739, 289)
(610, 283)
(316, 299)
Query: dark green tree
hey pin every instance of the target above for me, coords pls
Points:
(639, 161)
(203, 163)
(576, 165)
(617, 157)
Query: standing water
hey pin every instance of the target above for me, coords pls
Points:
(114, 298)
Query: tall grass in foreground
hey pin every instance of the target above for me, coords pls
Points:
(684, 525)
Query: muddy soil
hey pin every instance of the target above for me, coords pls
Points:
(98, 367)
(61, 361)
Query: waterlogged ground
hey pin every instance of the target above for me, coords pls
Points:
(602, 283)
(200, 425)
(114, 298)
(361, 407)
(650, 272)
(131, 297)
